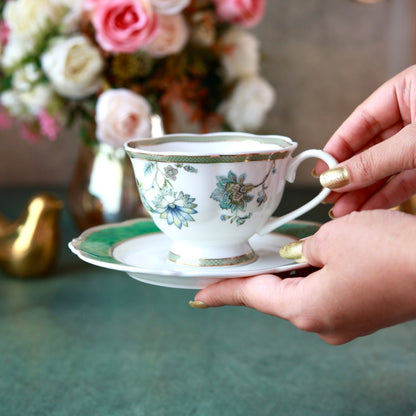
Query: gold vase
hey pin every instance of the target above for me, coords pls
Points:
(102, 188)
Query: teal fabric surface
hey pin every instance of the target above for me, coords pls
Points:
(89, 341)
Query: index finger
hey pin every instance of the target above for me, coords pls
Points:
(379, 112)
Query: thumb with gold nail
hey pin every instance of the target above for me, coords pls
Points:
(365, 279)
(293, 251)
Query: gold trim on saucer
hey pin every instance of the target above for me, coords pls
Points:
(220, 262)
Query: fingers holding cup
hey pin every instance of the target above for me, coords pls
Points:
(375, 164)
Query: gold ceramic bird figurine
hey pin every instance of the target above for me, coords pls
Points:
(29, 245)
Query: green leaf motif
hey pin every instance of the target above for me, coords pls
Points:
(149, 168)
(190, 169)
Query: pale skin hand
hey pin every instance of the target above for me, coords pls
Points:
(366, 281)
(367, 276)
(377, 144)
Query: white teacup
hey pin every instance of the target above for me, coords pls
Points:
(211, 192)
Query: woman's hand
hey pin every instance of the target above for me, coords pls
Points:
(366, 281)
(376, 147)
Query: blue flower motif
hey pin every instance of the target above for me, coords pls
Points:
(176, 208)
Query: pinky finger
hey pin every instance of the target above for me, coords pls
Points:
(400, 188)
(354, 200)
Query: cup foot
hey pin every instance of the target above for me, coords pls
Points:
(220, 258)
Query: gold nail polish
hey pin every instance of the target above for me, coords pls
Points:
(292, 251)
(314, 174)
(335, 178)
(331, 214)
(197, 304)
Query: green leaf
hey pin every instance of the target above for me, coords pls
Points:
(248, 187)
(86, 137)
(190, 169)
(5, 83)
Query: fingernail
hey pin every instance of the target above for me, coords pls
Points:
(314, 174)
(331, 214)
(293, 251)
(335, 178)
(197, 304)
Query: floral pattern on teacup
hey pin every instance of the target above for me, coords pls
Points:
(176, 207)
(233, 195)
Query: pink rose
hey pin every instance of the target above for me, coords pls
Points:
(171, 38)
(5, 120)
(122, 115)
(49, 126)
(4, 32)
(124, 25)
(243, 12)
(29, 133)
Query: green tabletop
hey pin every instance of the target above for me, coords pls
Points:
(89, 341)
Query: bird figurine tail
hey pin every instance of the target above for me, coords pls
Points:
(29, 245)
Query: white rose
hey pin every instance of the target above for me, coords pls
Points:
(250, 100)
(24, 77)
(10, 100)
(37, 99)
(171, 37)
(72, 18)
(74, 66)
(26, 105)
(169, 6)
(203, 30)
(29, 18)
(15, 51)
(122, 115)
(241, 54)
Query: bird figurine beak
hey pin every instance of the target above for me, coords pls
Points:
(29, 245)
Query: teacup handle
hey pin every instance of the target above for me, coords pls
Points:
(273, 223)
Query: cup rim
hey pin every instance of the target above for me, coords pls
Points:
(286, 146)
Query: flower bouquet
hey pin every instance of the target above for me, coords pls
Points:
(114, 63)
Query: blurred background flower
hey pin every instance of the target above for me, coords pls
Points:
(111, 64)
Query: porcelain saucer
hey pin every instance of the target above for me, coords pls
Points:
(138, 248)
